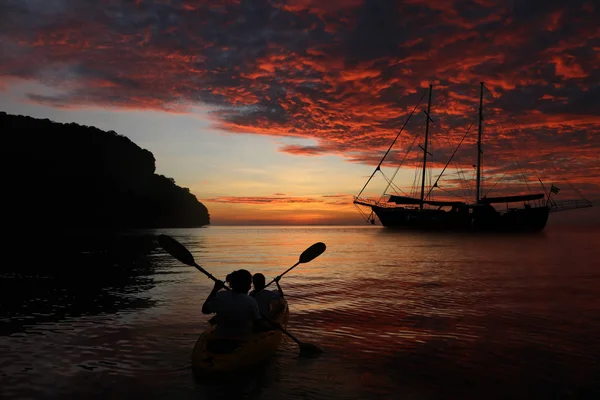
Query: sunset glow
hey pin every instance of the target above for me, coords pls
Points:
(278, 111)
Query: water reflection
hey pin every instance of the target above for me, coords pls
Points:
(398, 315)
(82, 283)
(27, 301)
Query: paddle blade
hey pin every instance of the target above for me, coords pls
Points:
(312, 252)
(309, 350)
(176, 249)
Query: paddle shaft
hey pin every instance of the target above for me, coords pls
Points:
(286, 332)
(286, 271)
(205, 272)
(307, 255)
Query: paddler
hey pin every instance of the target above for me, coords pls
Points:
(265, 297)
(237, 313)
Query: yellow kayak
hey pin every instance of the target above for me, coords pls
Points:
(217, 355)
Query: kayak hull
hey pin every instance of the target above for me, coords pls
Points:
(216, 356)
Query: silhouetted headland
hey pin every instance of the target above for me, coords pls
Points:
(84, 188)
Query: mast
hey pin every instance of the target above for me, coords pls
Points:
(479, 145)
(425, 148)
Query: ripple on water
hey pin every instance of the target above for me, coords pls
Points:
(405, 315)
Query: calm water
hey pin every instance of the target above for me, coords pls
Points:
(399, 315)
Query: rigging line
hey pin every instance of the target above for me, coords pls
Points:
(401, 163)
(363, 214)
(533, 170)
(451, 157)
(488, 192)
(462, 179)
(461, 175)
(390, 183)
(414, 188)
(397, 188)
(453, 194)
(517, 126)
(466, 184)
(388, 150)
(521, 170)
(386, 178)
(551, 163)
(474, 175)
(546, 193)
(524, 179)
(430, 169)
(411, 187)
(480, 176)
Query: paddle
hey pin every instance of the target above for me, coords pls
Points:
(307, 255)
(180, 252)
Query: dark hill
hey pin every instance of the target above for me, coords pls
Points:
(74, 197)
(63, 176)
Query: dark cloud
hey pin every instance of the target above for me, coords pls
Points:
(346, 73)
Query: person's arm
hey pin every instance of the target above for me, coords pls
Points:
(278, 287)
(206, 306)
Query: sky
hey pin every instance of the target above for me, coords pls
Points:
(277, 112)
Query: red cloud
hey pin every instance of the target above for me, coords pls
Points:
(568, 68)
(279, 198)
(344, 73)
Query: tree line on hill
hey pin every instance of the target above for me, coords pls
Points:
(64, 179)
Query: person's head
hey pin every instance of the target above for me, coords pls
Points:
(240, 281)
(259, 281)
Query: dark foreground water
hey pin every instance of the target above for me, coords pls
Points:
(400, 316)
